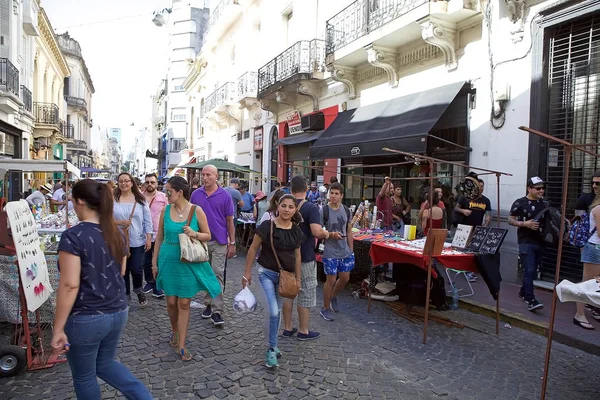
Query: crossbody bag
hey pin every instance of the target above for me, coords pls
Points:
(287, 280)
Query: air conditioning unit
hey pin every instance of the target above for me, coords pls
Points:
(313, 122)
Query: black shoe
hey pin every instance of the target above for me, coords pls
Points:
(142, 299)
(521, 296)
(207, 313)
(533, 305)
(217, 319)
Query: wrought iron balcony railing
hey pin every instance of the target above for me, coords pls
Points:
(362, 17)
(68, 131)
(219, 97)
(45, 113)
(9, 76)
(76, 102)
(218, 11)
(247, 85)
(304, 57)
(78, 144)
(26, 98)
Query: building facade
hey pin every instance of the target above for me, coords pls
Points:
(115, 157)
(78, 91)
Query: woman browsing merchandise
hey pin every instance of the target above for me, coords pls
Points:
(287, 238)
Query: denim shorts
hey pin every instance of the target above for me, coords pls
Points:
(591, 253)
(332, 266)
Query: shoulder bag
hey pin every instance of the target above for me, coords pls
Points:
(287, 280)
(126, 229)
(192, 250)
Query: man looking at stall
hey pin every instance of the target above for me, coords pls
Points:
(157, 201)
(38, 197)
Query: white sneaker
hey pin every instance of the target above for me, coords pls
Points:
(195, 304)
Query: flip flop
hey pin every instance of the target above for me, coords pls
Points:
(174, 339)
(185, 355)
(582, 324)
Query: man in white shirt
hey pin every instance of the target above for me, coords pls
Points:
(39, 197)
(59, 198)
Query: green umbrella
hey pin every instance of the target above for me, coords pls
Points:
(221, 165)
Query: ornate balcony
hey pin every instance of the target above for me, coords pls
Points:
(77, 103)
(9, 77)
(78, 145)
(69, 131)
(247, 85)
(221, 18)
(221, 97)
(302, 61)
(27, 99)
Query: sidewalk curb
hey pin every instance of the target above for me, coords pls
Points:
(519, 321)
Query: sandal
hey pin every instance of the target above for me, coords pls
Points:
(583, 324)
(185, 355)
(174, 339)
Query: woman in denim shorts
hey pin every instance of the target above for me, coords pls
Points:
(590, 257)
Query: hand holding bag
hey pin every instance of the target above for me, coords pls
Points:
(287, 280)
(192, 250)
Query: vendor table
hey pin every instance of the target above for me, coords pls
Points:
(245, 231)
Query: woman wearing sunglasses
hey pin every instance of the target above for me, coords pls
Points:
(287, 238)
(181, 281)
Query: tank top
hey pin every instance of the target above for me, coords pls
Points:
(594, 239)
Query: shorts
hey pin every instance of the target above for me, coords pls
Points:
(591, 253)
(307, 296)
(332, 266)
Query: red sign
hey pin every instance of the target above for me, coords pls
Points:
(294, 122)
(258, 138)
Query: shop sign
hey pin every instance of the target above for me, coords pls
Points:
(258, 138)
(553, 157)
(355, 151)
(294, 122)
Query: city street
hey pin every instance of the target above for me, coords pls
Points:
(359, 355)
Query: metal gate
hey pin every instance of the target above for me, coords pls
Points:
(573, 115)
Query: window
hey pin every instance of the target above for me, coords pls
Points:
(177, 145)
(9, 145)
(239, 136)
(177, 84)
(178, 114)
(247, 134)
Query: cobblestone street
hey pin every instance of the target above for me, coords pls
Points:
(359, 355)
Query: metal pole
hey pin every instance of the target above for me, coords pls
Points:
(498, 294)
(563, 208)
(430, 255)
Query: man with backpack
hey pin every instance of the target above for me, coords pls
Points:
(338, 254)
(525, 215)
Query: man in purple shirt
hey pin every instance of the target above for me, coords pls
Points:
(218, 207)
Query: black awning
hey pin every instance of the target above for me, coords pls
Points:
(401, 124)
(300, 138)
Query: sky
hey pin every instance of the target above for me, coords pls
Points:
(126, 55)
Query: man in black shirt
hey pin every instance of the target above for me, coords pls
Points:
(523, 214)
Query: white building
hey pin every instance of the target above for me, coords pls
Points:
(115, 157)
(115, 133)
(78, 91)
(338, 80)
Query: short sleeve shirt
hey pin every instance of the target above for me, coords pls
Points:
(337, 221)
(524, 209)
(102, 289)
(385, 204)
(217, 207)
(285, 241)
(584, 202)
(478, 209)
(310, 215)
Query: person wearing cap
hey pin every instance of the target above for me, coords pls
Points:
(39, 197)
(260, 205)
(523, 215)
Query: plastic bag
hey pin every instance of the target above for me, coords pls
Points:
(244, 301)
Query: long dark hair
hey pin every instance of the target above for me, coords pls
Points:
(179, 184)
(99, 198)
(139, 197)
(297, 217)
(275, 200)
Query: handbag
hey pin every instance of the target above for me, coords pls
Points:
(126, 230)
(192, 250)
(287, 280)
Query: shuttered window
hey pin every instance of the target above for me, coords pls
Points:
(573, 115)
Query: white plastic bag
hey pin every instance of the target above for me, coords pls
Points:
(584, 292)
(244, 301)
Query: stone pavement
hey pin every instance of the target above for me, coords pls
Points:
(359, 355)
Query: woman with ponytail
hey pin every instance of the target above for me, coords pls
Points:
(91, 305)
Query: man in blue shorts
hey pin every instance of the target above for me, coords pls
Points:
(338, 255)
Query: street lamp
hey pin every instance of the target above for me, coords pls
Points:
(159, 17)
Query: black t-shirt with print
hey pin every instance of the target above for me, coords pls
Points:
(285, 241)
(478, 209)
(525, 209)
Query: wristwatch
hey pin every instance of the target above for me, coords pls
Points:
(232, 244)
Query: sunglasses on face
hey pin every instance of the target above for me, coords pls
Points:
(595, 183)
(539, 188)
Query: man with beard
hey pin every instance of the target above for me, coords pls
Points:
(157, 201)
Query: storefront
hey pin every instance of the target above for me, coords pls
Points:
(10, 141)
(434, 122)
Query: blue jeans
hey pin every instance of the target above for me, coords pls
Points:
(531, 256)
(93, 340)
(269, 280)
(135, 267)
(148, 267)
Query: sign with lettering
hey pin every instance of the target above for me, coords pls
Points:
(462, 236)
(294, 121)
(486, 240)
(258, 138)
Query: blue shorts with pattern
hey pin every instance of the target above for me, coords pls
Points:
(334, 265)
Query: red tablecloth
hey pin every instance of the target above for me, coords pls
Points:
(382, 253)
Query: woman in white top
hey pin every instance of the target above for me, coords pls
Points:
(39, 197)
(590, 257)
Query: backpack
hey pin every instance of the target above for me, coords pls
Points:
(321, 242)
(550, 225)
(580, 230)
